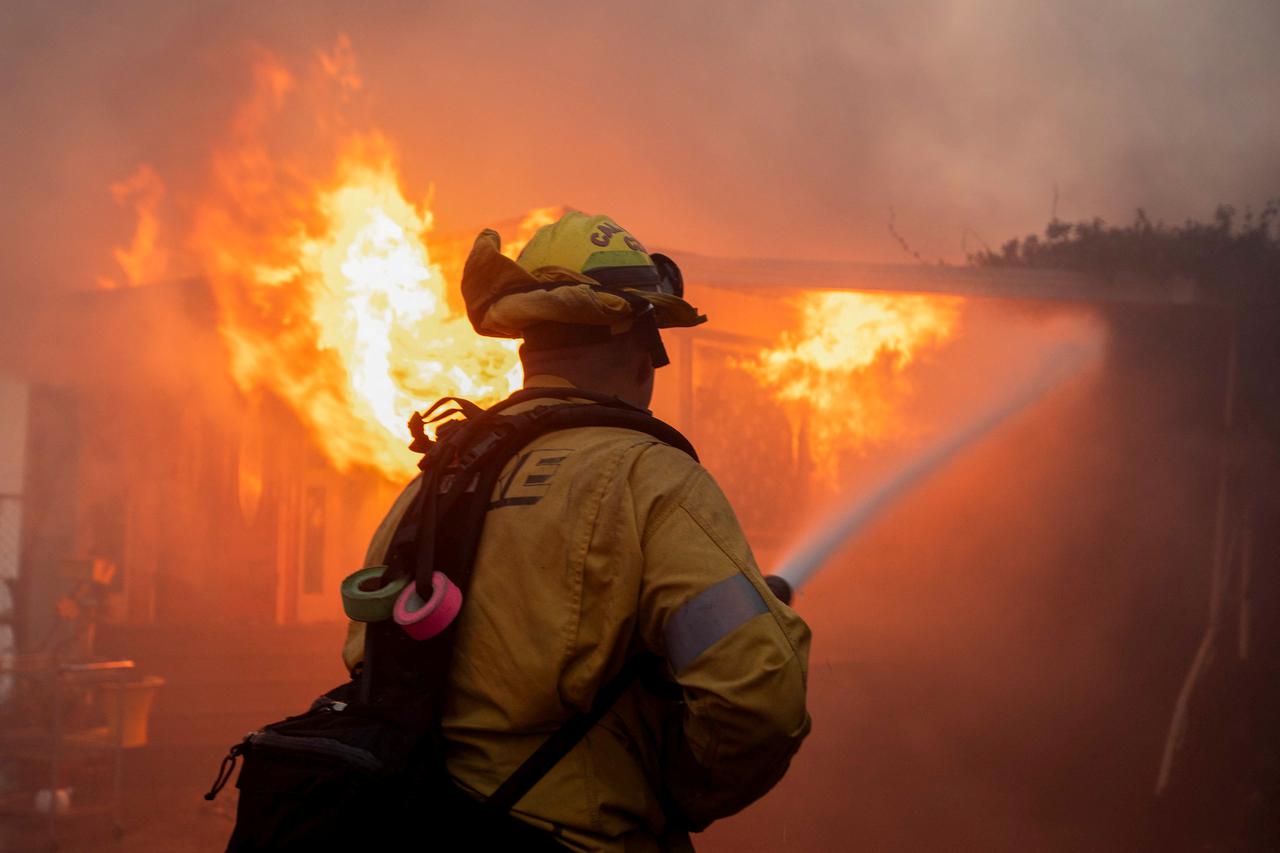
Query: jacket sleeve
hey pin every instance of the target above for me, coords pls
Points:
(739, 654)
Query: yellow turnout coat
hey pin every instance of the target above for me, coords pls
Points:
(601, 543)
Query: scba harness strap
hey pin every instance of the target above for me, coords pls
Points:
(441, 531)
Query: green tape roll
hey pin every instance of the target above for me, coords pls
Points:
(365, 600)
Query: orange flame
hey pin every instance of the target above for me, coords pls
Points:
(842, 372)
(145, 260)
(533, 220)
(377, 338)
(328, 293)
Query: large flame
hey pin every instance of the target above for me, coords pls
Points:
(842, 373)
(328, 293)
(378, 337)
(330, 297)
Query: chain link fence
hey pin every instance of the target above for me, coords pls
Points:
(10, 549)
(10, 553)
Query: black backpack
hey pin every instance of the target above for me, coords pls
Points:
(364, 766)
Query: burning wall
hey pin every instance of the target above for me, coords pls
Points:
(333, 295)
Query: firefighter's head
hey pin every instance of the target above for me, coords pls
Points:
(622, 365)
(587, 299)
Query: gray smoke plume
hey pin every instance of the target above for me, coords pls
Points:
(750, 129)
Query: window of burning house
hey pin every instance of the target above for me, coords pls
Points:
(745, 440)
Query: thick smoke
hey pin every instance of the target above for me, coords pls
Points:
(775, 128)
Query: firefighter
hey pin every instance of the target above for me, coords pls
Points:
(601, 543)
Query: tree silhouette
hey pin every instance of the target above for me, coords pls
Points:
(1232, 257)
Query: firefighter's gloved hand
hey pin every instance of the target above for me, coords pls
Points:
(779, 587)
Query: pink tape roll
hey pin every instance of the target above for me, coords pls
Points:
(422, 620)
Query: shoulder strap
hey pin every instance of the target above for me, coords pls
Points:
(563, 740)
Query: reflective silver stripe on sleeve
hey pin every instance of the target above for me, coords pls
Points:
(708, 617)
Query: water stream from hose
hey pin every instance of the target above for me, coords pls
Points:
(1060, 362)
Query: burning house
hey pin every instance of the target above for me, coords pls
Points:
(1005, 646)
(232, 511)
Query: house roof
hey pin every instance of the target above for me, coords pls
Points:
(1002, 283)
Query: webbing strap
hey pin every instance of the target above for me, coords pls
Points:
(561, 742)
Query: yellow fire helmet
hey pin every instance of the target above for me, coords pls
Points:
(579, 280)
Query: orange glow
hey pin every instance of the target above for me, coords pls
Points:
(327, 291)
(533, 220)
(144, 261)
(842, 371)
(382, 339)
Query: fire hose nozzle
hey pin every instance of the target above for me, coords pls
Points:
(779, 587)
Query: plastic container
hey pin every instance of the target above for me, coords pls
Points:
(127, 707)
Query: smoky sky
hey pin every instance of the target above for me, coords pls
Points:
(732, 128)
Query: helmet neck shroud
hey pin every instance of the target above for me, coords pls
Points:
(560, 336)
(589, 357)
